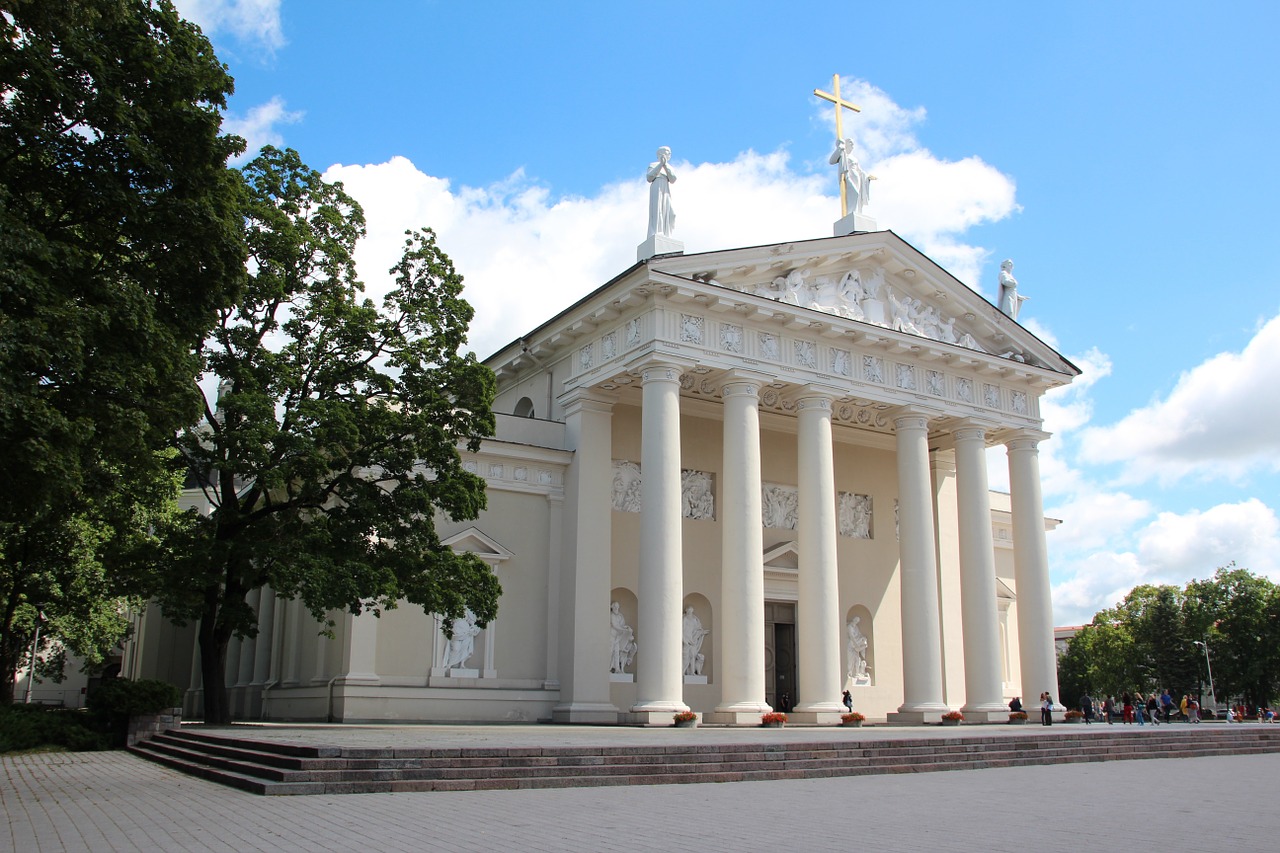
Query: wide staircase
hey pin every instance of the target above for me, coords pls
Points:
(284, 769)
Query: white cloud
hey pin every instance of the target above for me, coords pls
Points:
(1219, 421)
(524, 251)
(1172, 548)
(250, 21)
(259, 127)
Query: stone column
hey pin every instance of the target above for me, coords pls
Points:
(1031, 567)
(263, 645)
(984, 696)
(360, 649)
(660, 588)
(741, 623)
(586, 571)
(921, 639)
(818, 609)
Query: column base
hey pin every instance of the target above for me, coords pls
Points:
(918, 716)
(586, 714)
(985, 714)
(651, 718)
(737, 715)
(816, 717)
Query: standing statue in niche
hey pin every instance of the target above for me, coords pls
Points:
(462, 645)
(624, 640)
(857, 648)
(662, 216)
(857, 182)
(694, 634)
(1010, 300)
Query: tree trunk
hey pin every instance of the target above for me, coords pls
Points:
(213, 668)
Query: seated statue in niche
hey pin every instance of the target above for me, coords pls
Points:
(462, 645)
(693, 636)
(623, 639)
(857, 649)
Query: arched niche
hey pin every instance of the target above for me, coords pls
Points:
(866, 677)
(701, 672)
(524, 408)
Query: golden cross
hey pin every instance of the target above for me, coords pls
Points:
(839, 102)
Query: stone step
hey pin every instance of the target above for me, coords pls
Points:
(269, 768)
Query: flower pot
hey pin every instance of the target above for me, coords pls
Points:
(686, 724)
(773, 725)
(853, 724)
(1017, 722)
(952, 722)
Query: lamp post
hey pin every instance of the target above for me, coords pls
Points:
(1212, 693)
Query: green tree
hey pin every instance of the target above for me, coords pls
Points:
(333, 442)
(121, 239)
(1238, 616)
(1099, 659)
(64, 573)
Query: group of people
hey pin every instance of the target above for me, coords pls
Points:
(1136, 708)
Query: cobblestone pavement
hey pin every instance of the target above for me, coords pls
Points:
(113, 801)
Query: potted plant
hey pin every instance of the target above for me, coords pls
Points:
(952, 718)
(1073, 716)
(853, 719)
(773, 720)
(686, 720)
(1018, 718)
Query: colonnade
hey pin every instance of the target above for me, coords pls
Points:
(659, 674)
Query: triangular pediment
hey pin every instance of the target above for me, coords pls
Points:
(475, 541)
(782, 557)
(876, 279)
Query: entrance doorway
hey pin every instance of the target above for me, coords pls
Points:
(780, 681)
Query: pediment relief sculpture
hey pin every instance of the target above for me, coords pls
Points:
(865, 295)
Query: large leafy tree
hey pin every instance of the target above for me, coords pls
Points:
(119, 240)
(1149, 641)
(333, 440)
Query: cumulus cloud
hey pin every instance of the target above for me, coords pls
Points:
(524, 250)
(254, 22)
(1172, 548)
(260, 127)
(1219, 421)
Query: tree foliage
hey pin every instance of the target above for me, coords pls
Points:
(334, 438)
(1148, 641)
(119, 239)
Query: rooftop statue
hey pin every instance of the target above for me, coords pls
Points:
(1010, 300)
(662, 216)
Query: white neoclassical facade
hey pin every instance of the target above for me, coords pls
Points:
(729, 482)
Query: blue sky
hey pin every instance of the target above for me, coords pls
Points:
(1123, 155)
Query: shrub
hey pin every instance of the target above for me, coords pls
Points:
(24, 727)
(773, 717)
(853, 717)
(116, 700)
(1018, 715)
(685, 717)
(953, 715)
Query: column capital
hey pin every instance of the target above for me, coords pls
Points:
(645, 364)
(1024, 439)
(739, 382)
(583, 398)
(913, 417)
(814, 397)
